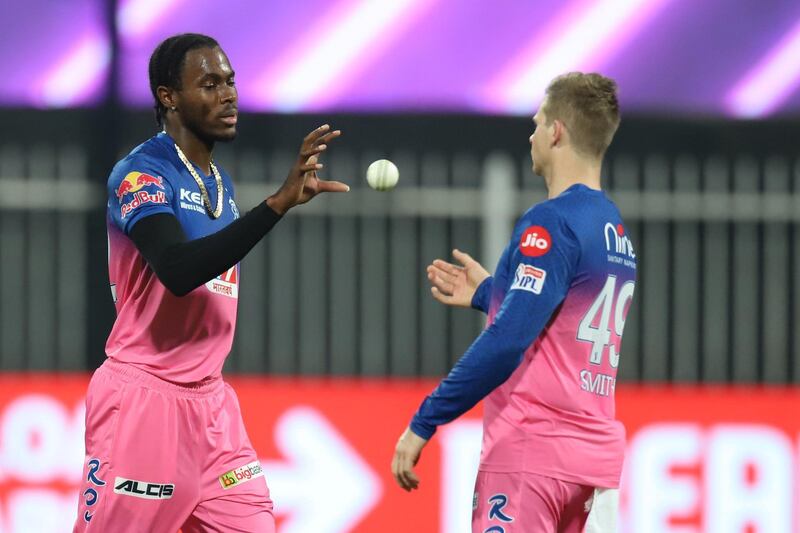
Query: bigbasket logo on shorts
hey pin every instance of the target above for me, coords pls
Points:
(143, 489)
(241, 475)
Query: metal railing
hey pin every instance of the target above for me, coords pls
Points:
(339, 288)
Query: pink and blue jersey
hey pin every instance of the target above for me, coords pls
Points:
(180, 339)
(547, 361)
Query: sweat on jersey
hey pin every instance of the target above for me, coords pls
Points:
(547, 360)
(181, 339)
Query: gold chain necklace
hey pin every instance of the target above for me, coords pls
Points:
(203, 192)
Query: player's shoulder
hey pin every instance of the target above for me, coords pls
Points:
(152, 158)
(548, 212)
(580, 198)
(566, 214)
(576, 206)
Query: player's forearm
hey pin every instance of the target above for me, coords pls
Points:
(486, 365)
(490, 361)
(183, 265)
(480, 300)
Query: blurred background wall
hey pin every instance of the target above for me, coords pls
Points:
(704, 169)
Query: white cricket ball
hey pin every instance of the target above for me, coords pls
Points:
(382, 175)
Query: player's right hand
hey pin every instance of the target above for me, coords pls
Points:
(406, 455)
(302, 183)
(453, 284)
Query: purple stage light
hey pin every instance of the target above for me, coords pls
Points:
(766, 86)
(137, 17)
(312, 73)
(588, 33)
(79, 75)
(57, 53)
(669, 56)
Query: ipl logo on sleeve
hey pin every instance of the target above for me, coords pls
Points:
(529, 278)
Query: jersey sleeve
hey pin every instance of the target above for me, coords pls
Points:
(544, 261)
(138, 187)
(480, 300)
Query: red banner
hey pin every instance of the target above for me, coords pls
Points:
(721, 460)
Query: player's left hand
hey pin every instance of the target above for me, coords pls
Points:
(302, 184)
(406, 455)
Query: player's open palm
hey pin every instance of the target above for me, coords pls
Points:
(455, 284)
(302, 184)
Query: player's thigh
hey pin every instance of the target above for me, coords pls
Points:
(135, 479)
(103, 400)
(513, 502)
(244, 509)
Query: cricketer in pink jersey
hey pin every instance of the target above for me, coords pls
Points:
(546, 363)
(166, 448)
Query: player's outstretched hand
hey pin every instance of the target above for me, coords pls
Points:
(406, 454)
(302, 184)
(453, 284)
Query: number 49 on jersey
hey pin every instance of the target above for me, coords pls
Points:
(604, 305)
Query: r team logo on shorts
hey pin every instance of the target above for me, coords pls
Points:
(241, 475)
(143, 489)
(529, 278)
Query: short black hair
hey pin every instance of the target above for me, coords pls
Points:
(166, 64)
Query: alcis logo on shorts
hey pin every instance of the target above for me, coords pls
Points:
(143, 489)
(241, 475)
(535, 241)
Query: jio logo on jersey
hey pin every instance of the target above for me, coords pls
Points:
(535, 241)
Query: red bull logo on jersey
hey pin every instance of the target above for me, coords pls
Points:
(529, 278)
(132, 185)
(141, 198)
(616, 240)
(134, 181)
(241, 475)
(535, 241)
(226, 284)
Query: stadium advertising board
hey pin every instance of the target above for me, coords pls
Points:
(699, 459)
